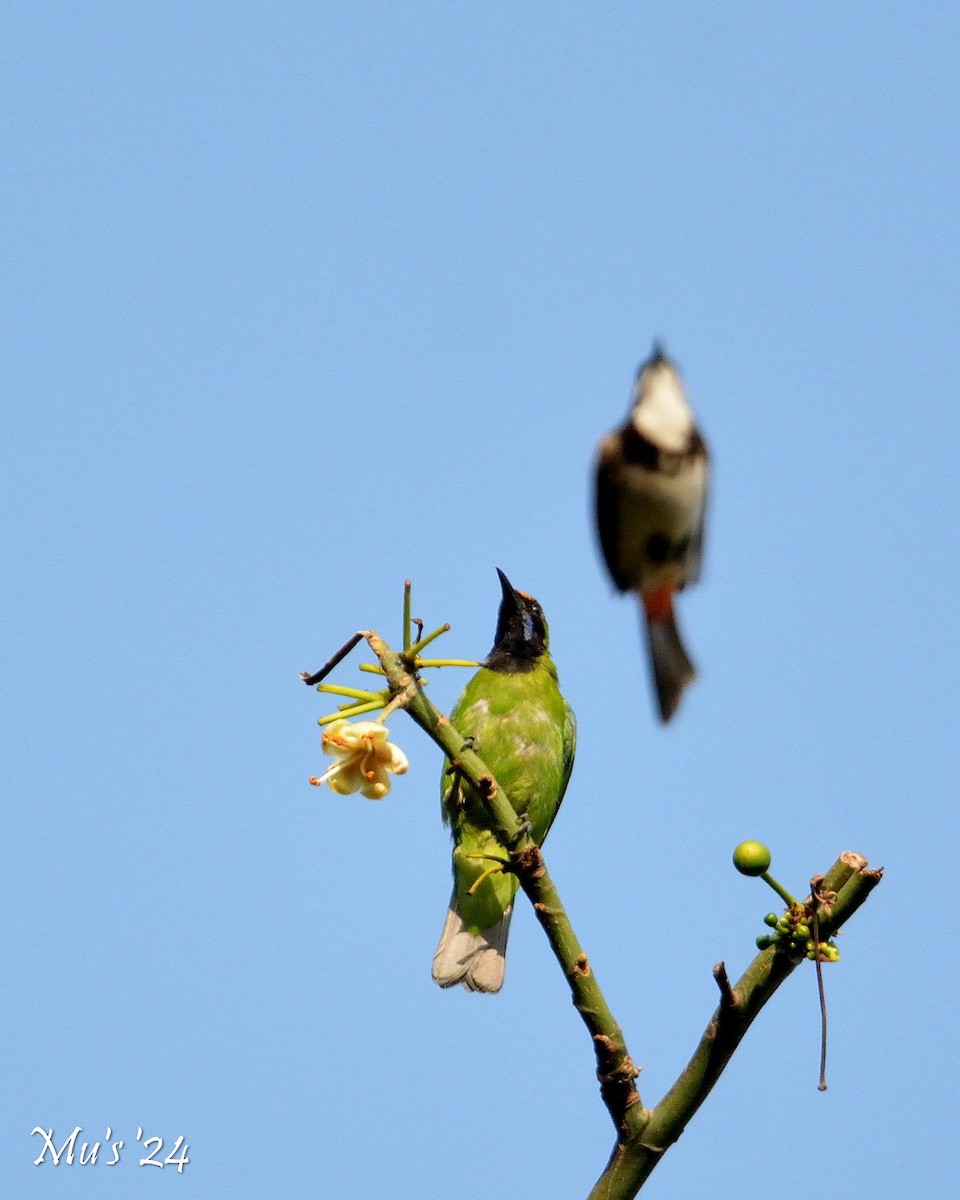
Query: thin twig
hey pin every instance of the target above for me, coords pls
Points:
(328, 666)
(822, 1084)
(421, 642)
(406, 615)
(816, 891)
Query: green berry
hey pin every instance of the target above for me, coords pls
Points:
(751, 858)
(764, 941)
(771, 919)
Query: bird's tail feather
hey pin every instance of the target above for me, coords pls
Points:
(672, 668)
(476, 960)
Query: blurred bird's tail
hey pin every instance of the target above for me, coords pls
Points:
(477, 960)
(672, 668)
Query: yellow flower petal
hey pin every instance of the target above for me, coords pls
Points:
(364, 755)
(345, 783)
(376, 788)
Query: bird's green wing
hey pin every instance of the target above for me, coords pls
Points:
(569, 749)
(566, 765)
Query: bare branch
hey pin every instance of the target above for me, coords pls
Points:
(643, 1135)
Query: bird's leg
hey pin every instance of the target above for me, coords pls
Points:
(453, 796)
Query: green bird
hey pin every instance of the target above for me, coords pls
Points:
(525, 732)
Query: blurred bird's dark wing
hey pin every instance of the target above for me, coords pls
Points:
(608, 508)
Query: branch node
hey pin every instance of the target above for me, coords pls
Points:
(488, 788)
(529, 862)
(822, 896)
(728, 997)
(625, 1071)
(544, 909)
(629, 1069)
(581, 967)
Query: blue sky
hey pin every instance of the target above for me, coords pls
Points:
(303, 300)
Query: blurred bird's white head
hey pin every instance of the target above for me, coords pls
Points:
(661, 413)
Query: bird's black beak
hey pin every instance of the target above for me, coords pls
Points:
(510, 597)
(511, 606)
(521, 631)
(510, 616)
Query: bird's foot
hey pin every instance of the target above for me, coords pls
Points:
(524, 829)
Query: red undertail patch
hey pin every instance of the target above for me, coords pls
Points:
(658, 604)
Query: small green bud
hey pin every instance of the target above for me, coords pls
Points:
(771, 919)
(802, 930)
(764, 941)
(751, 858)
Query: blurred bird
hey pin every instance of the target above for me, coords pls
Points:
(525, 732)
(651, 500)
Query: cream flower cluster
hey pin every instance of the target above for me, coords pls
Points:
(363, 756)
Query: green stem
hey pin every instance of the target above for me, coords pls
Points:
(778, 888)
(350, 710)
(415, 649)
(446, 662)
(334, 689)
